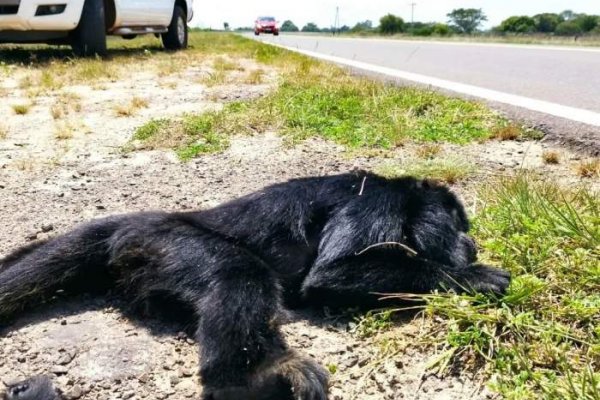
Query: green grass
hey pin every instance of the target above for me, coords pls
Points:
(312, 99)
(318, 99)
(449, 170)
(542, 340)
(190, 136)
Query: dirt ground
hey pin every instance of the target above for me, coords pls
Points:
(48, 184)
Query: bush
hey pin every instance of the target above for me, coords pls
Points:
(442, 30)
(390, 24)
(518, 24)
(586, 22)
(568, 28)
(547, 23)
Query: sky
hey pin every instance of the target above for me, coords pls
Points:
(212, 14)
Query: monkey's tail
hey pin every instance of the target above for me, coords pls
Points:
(77, 259)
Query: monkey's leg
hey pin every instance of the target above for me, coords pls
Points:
(360, 279)
(236, 298)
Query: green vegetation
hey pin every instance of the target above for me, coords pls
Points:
(542, 340)
(318, 99)
(289, 26)
(566, 23)
(467, 20)
(449, 170)
(463, 23)
(190, 136)
(21, 109)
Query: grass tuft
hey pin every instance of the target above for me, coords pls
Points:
(448, 170)
(21, 109)
(190, 137)
(551, 157)
(64, 131)
(3, 132)
(589, 168)
(542, 339)
(428, 150)
(131, 108)
(319, 99)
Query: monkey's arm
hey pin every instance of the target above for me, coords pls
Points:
(359, 280)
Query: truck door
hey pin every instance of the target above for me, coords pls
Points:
(145, 12)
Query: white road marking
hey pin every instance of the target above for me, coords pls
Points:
(467, 44)
(558, 110)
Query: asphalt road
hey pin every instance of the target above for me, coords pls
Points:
(554, 88)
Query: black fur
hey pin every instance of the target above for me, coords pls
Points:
(34, 388)
(314, 241)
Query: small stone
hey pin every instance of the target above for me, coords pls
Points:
(59, 370)
(75, 393)
(31, 236)
(47, 228)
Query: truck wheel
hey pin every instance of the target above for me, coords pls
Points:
(89, 38)
(176, 37)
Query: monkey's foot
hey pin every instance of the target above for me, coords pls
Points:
(34, 388)
(289, 377)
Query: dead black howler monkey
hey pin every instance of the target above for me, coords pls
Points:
(329, 240)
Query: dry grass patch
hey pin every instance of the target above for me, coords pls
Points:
(3, 132)
(448, 170)
(255, 77)
(551, 157)
(24, 164)
(64, 104)
(21, 109)
(131, 108)
(64, 131)
(589, 168)
(508, 132)
(428, 150)
(223, 64)
(26, 82)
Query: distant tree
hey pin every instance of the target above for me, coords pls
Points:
(467, 20)
(289, 26)
(390, 24)
(310, 27)
(363, 26)
(344, 28)
(547, 22)
(586, 22)
(518, 24)
(441, 30)
(419, 29)
(567, 15)
(568, 28)
(226, 26)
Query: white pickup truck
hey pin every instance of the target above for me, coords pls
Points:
(85, 23)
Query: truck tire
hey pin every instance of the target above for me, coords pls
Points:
(176, 37)
(89, 38)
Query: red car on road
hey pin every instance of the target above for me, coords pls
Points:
(266, 25)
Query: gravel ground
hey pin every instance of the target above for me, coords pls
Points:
(92, 349)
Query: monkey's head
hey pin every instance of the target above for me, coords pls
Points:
(34, 388)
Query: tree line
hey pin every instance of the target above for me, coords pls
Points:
(467, 21)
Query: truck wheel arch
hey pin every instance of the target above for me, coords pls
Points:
(183, 5)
